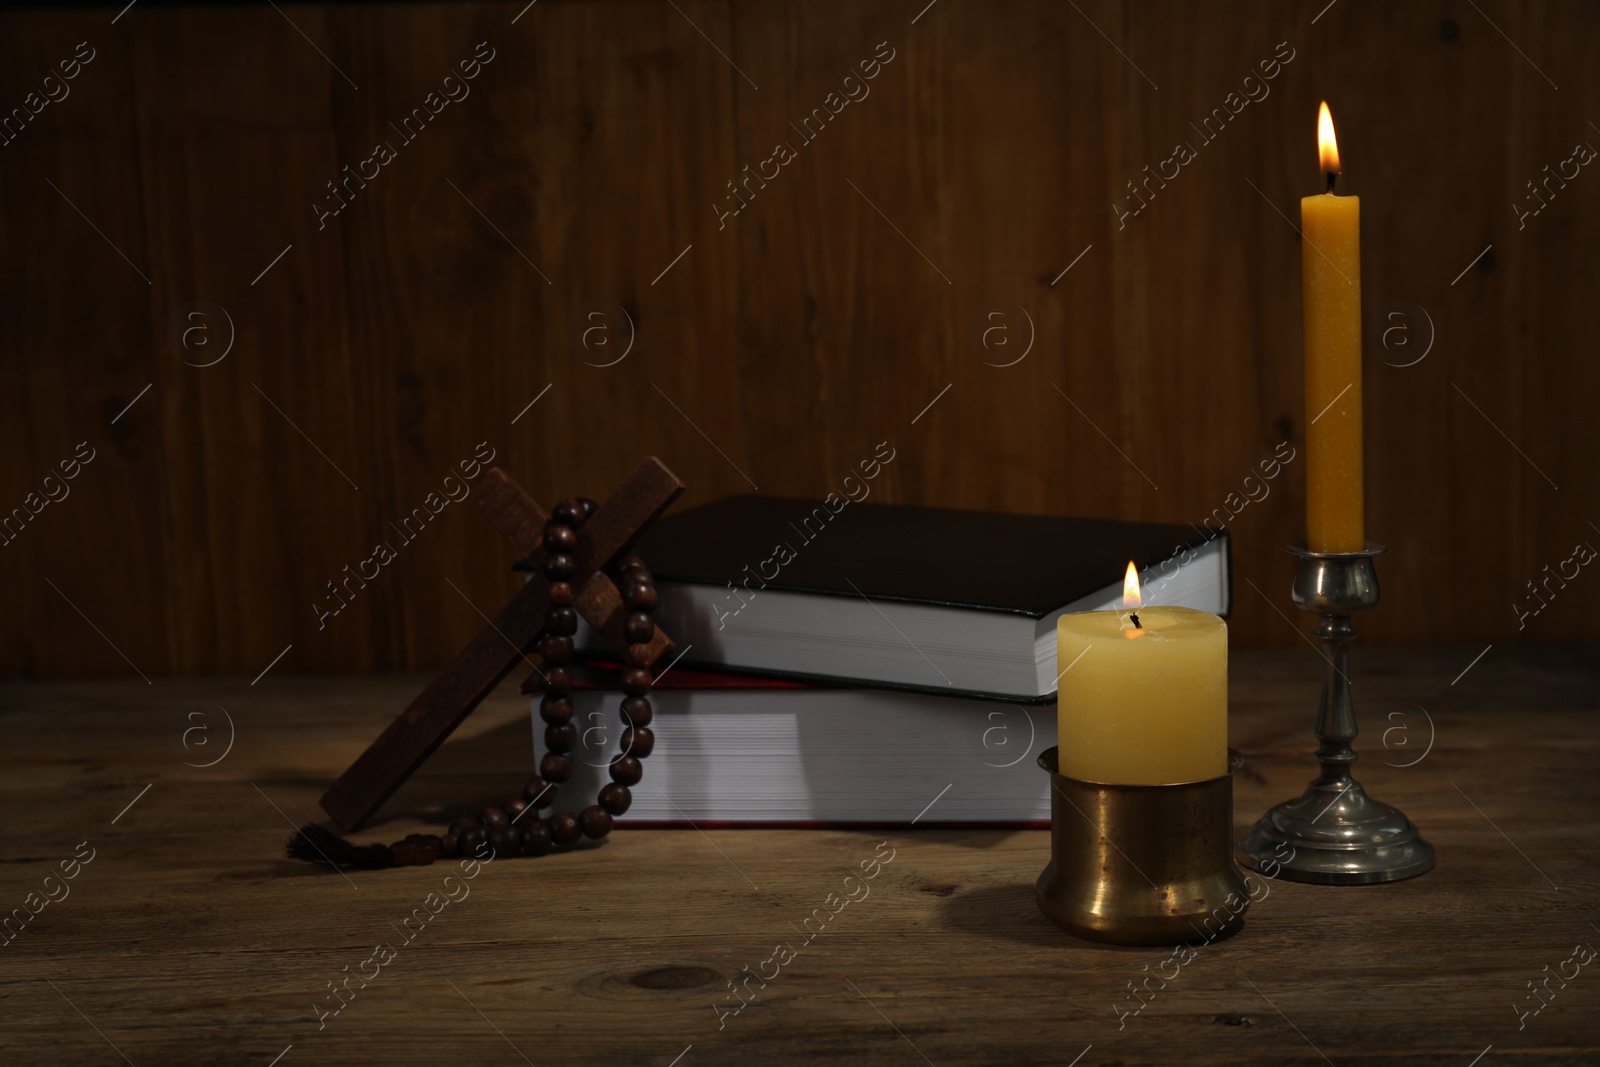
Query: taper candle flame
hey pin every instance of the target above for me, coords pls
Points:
(1327, 144)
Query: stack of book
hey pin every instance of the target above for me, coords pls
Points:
(853, 663)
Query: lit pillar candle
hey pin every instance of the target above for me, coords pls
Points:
(1143, 694)
(1330, 272)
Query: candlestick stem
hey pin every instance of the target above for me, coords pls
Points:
(1336, 720)
(1335, 834)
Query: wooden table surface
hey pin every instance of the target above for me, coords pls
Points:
(188, 938)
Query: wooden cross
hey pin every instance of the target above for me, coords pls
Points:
(490, 656)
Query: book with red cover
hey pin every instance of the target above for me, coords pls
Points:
(737, 750)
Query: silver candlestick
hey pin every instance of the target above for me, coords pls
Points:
(1338, 834)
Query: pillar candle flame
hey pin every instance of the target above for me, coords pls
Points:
(1130, 588)
(1132, 600)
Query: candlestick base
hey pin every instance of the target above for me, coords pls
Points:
(1142, 864)
(1336, 834)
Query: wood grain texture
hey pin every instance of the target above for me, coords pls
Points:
(517, 516)
(543, 271)
(189, 939)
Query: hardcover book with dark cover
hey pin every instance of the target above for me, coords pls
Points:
(947, 601)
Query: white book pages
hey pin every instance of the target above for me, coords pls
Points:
(821, 755)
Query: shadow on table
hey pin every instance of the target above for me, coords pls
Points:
(978, 837)
(462, 776)
(1008, 912)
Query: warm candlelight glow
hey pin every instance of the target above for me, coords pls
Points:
(1327, 145)
(1130, 588)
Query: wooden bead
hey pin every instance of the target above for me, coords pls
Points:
(559, 537)
(554, 649)
(539, 793)
(595, 822)
(555, 767)
(637, 595)
(636, 711)
(589, 506)
(564, 829)
(471, 841)
(625, 770)
(406, 853)
(559, 566)
(505, 829)
(631, 561)
(428, 850)
(615, 798)
(536, 838)
(639, 628)
(560, 738)
(635, 681)
(505, 841)
(639, 741)
(569, 513)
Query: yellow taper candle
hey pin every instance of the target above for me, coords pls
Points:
(1330, 272)
(1143, 695)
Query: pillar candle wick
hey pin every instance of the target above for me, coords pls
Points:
(1333, 176)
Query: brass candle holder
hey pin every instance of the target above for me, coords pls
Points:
(1338, 834)
(1142, 864)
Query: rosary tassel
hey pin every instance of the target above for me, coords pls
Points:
(315, 845)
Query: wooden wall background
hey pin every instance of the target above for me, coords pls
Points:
(784, 346)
